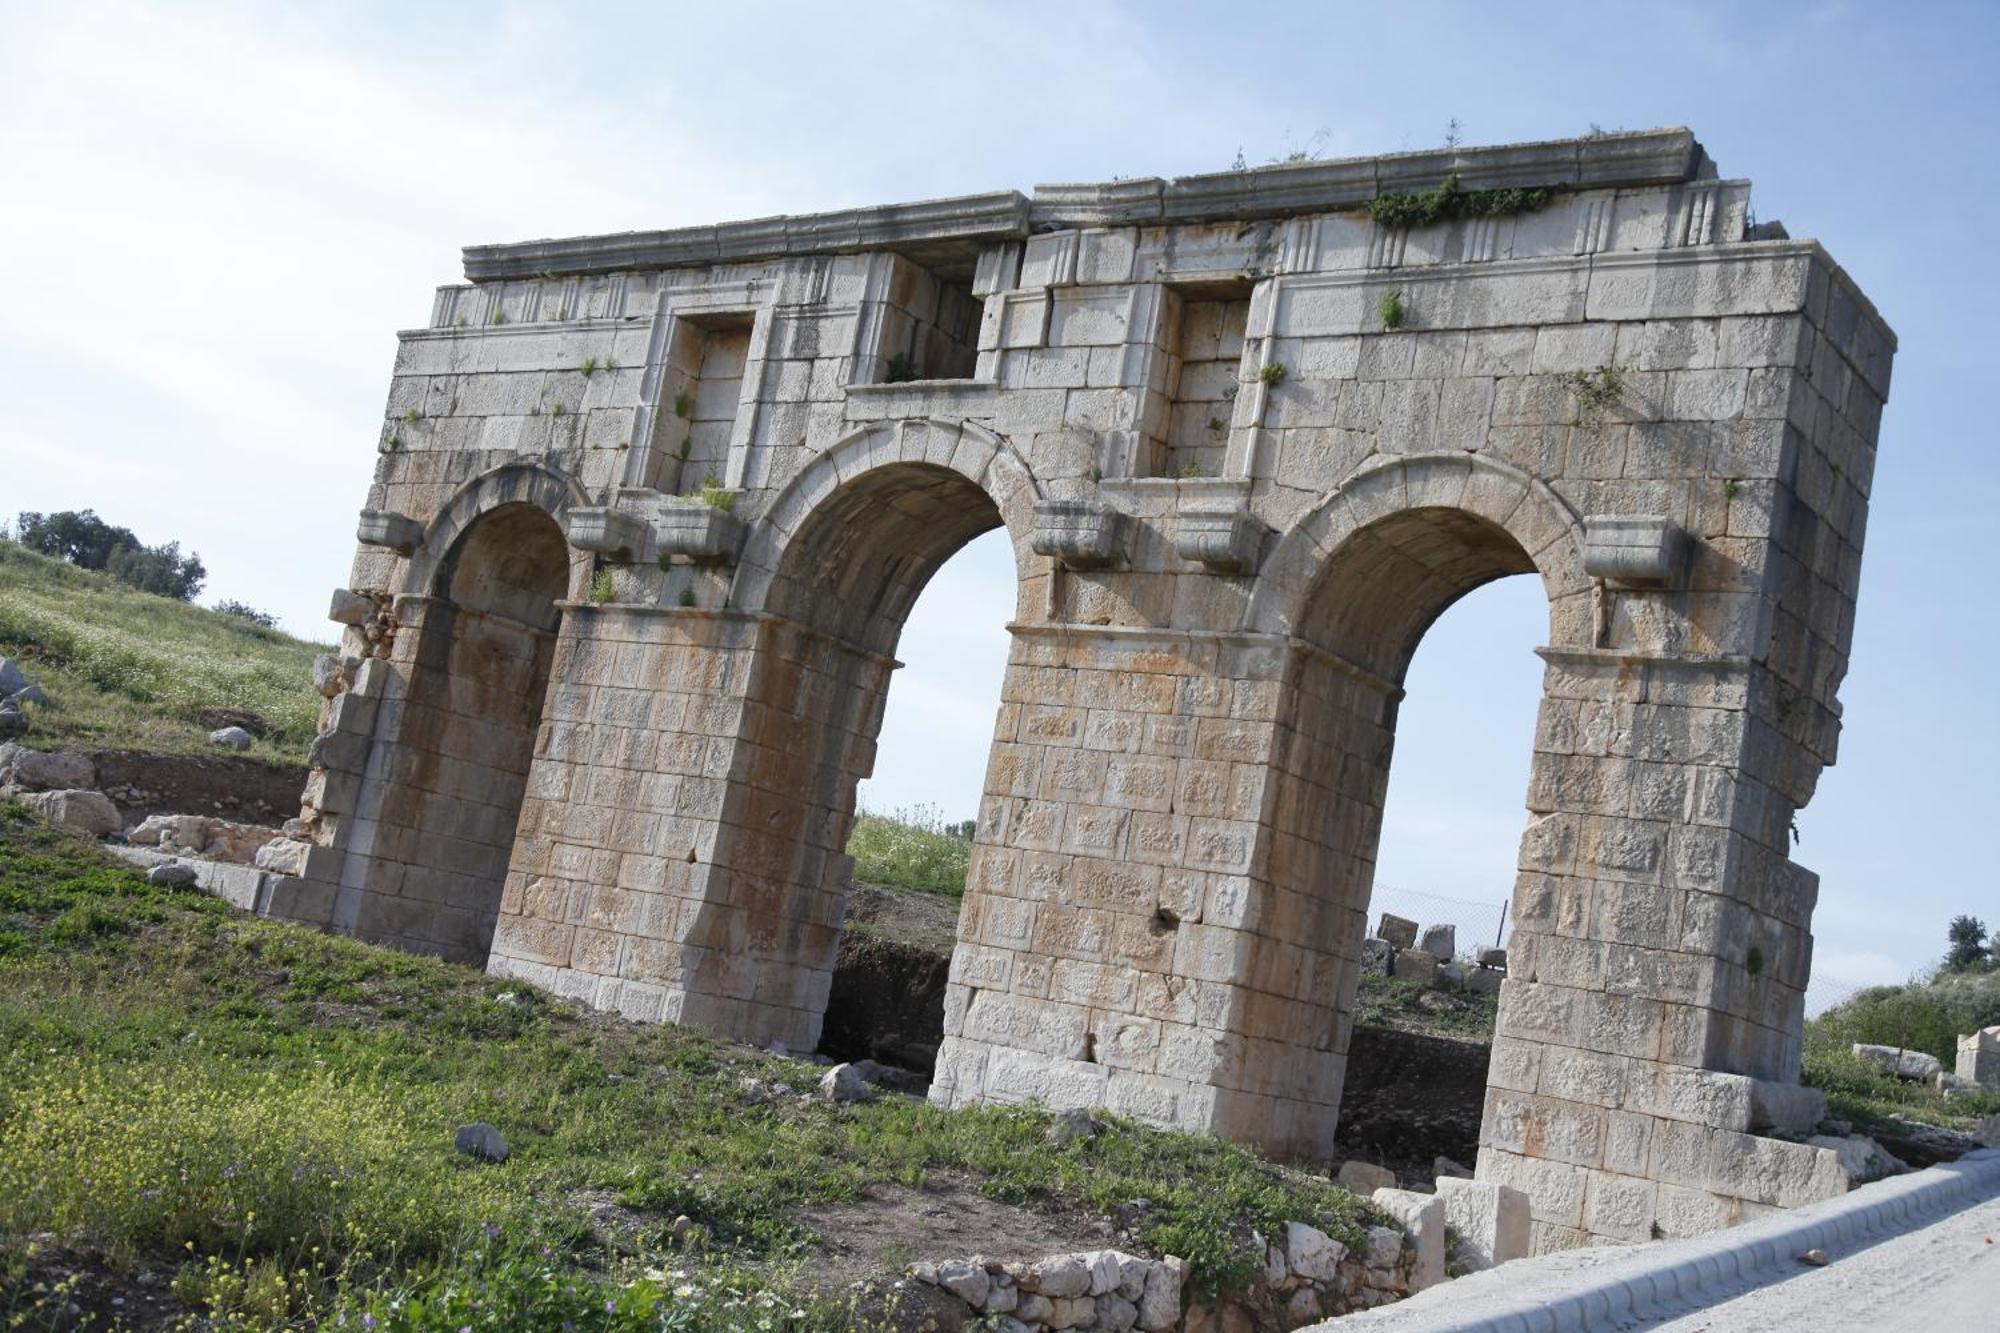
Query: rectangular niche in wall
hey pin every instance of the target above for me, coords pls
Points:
(1201, 336)
(699, 398)
(929, 325)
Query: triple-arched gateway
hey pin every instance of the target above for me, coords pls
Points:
(651, 509)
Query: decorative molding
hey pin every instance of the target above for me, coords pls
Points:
(1633, 551)
(1079, 534)
(698, 533)
(607, 532)
(1225, 540)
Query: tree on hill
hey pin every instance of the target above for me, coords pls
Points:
(88, 542)
(1969, 951)
(76, 535)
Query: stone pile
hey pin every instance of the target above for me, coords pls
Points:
(1306, 1276)
(1396, 949)
(203, 836)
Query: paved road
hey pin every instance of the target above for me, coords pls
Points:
(1944, 1278)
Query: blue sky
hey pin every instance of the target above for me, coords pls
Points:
(219, 214)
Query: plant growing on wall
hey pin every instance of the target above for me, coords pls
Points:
(715, 495)
(1446, 202)
(1390, 308)
(1273, 374)
(602, 589)
(902, 369)
(1596, 392)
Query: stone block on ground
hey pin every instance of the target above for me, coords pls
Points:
(44, 770)
(1422, 1216)
(230, 738)
(1364, 1178)
(13, 722)
(1492, 1221)
(1440, 942)
(1401, 932)
(1914, 1066)
(88, 812)
(171, 875)
(1492, 957)
(1377, 957)
(1791, 1108)
(1861, 1157)
(1441, 1167)
(1484, 980)
(1416, 965)
(1450, 976)
(12, 678)
(1979, 1057)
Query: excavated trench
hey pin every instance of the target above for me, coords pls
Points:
(1410, 1097)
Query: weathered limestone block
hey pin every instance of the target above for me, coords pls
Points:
(44, 770)
(1440, 942)
(1979, 1057)
(1401, 932)
(1913, 1066)
(1423, 1217)
(1364, 1178)
(1416, 965)
(88, 812)
(1492, 1222)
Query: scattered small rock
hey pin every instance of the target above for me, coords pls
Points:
(844, 1083)
(1071, 1126)
(33, 694)
(12, 678)
(232, 738)
(482, 1141)
(13, 722)
(1364, 1178)
(1444, 1166)
(44, 770)
(1817, 1258)
(171, 875)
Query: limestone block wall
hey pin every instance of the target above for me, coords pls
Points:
(1246, 444)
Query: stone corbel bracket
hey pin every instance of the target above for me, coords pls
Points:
(618, 536)
(700, 534)
(1227, 541)
(1079, 534)
(389, 530)
(1645, 551)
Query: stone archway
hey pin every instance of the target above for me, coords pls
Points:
(724, 907)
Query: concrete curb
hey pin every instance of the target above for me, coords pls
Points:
(1607, 1287)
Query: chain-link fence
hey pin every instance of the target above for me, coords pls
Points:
(1484, 922)
(1480, 924)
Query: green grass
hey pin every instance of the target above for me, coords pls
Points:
(128, 670)
(910, 849)
(1411, 1006)
(268, 1112)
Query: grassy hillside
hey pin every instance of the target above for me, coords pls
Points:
(128, 670)
(1926, 1016)
(264, 1115)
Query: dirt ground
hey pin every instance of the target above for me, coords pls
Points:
(248, 791)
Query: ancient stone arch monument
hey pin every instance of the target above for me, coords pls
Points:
(651, 508)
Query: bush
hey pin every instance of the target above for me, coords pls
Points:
(912, 849)
(160, 570)
(245, 611)
(1920, 1017)
(76, 535)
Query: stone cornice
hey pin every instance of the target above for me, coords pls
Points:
(1648, 157)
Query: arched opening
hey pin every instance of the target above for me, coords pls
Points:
(1415, 1084)
(468, 731)
(842, 590)
(1370, 605)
